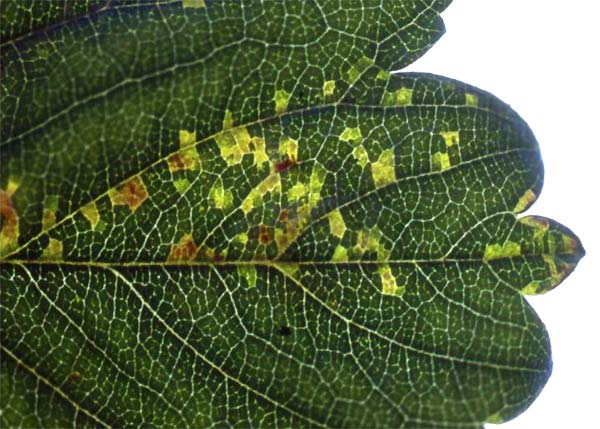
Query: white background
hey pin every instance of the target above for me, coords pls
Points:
(542, 57)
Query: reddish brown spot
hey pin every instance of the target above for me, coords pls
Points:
(264, 236)
(133, 194)
(75, 377)
(208, 254)
(10, 219)
(283, 216)
(176, 162)
(185, 250)
(284, 165)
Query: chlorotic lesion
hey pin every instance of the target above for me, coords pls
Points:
(356, 70)
(508, 249)
(91, 213)
(220, 197)
(236, 142)
(132, 194)
(525, 201)
(248, 273)
(281, 99)
(184, 250)
(193, 4)
(399, 97)
(384, 169)
(9, 235)
(49, 212)
(440, 161)
(54, 250)
(389, 285)
(328, 88)
(351, 135)
(337, 226)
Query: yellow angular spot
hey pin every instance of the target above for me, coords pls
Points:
(221, 198)
(228, 120)
(289, 268)
(317, 179)
(13, 184)
(495, 419)
(90, 212)
(242, 238)
(282, 98)
(236, 142)
(525, 201)
(255, 198)
(440, 161)
(383, 170)
(354, 72)
(351, 134)
(532, 288)
(9, 235)
(336, 223)
(400, 97)
(186, 138)
(506, 250)
(289, 147)
(388, 281)
(340, 254)
(383, 75)
(49, 212)
(361, 155)
(328, 87)
(54, 251)
(296, 192)
(193, 4)
(451, 138)
(247, 272)
(471, 99)
(295, 222)
(132, 194)
(182, 185)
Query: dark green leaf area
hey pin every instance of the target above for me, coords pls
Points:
(151, 70)
(181, 342)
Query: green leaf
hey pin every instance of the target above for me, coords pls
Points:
(232, 214)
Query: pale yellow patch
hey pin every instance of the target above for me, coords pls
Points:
(495, 419)
(388, 281)
(440, 161)
(471, 99)
(340, 254)
(525, 201)
(282, 98)
(296, 192)
(351, 134)
(13, 184)
(272, 183)
(241, 238)
(532, 288)
(247, 272)
(507, 250)
(193, 4)
(228, 120)
(400, 97)
(383, 75)
(328, 88)
(451, 138)
(337, 225)
(182, 185)
(317, 179)
(186, 138)
(91, 213)
(237, 142)
(361, 155)
(289, 147)
(289, 268)
(383, 170)
(356, 70)
(221, 198)
(54, 251)
(49, 212)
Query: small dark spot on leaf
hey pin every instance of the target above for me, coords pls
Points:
(75, 377)
(285, 331)
(284, 165)
(264, 237)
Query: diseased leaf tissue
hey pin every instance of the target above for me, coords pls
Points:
(223, 214)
